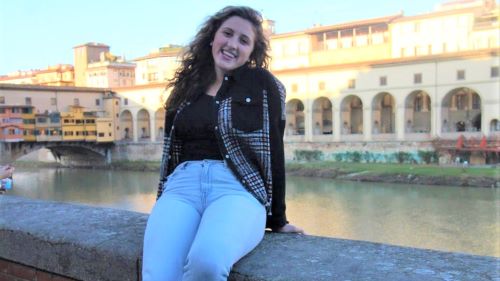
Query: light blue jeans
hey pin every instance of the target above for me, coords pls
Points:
(204, 222)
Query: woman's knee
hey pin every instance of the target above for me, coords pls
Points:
(206, 267)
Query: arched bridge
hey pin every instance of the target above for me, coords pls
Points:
(75, 153)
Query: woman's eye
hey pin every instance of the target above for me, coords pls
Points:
(227, 33)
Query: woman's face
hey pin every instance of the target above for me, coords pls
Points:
(233, 44)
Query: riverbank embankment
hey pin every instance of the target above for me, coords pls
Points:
(486, 176)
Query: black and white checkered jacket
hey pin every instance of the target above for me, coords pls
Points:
(250, 127)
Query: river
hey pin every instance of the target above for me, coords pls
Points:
(453, 219)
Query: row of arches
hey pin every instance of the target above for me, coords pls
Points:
(145, 131)
(460, 112)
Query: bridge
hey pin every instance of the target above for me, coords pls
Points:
(67, 153)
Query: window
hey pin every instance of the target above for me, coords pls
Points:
(494, 72)
(460, 101)
(417, 78)
(27, 101)
(2, 100)
(125, 101)
(419, 102)
(53, 101)
(351, 84)
(101, 135)
(295, 88)
(460, 74)
(97, 102)
(476, 101)
(321, 85)
(416, 27)
(383, 80)
(76, 101)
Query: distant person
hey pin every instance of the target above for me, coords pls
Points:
(446, 127)
(409, 126)
(345, 129)
(290, 130)
(376, 129)
(222, 177)
(6, 171)
(317, 129)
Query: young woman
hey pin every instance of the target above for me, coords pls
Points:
(222, 179)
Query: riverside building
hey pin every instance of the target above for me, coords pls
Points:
(393, 83)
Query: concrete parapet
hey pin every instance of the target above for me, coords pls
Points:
(90, 243)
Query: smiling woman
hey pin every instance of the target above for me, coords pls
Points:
(222, 179)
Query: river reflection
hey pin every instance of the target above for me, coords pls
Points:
(445, 218)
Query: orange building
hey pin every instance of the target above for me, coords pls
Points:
(11, 122)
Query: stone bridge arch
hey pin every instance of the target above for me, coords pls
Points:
(77, 154)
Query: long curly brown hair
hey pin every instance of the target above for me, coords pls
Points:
(196, 72)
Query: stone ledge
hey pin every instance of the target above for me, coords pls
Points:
(90, 243)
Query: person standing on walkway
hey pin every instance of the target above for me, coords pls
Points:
(6, 171)
(222, 177)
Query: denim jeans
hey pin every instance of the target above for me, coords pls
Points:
(204, 222)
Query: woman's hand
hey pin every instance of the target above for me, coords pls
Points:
(289, 228)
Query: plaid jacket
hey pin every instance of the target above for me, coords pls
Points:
(250, 127)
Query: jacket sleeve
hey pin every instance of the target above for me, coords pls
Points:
(277, 114)
(169, 116)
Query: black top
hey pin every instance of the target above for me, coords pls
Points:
(195, 127)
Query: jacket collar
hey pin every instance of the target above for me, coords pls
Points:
(238, 73)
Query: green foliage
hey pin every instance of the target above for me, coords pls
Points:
(338, 157)
(428, 157)
(356, 157)
(308, 155)
(403, 157)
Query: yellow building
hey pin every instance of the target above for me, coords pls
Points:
(352, 42)
(28, 117)
(73, 124)
(159, 66)
(414, 78)
(57, 75)
(48, 126)
(104, 130)
(83, 56)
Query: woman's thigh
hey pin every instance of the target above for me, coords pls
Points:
(230, 228)
(170, 231)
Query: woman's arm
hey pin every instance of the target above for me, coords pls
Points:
(277, 221)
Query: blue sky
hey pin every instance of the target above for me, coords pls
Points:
(37, 33)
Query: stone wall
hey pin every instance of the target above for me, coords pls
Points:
(379, 148)
(153, 151)
(60, 241)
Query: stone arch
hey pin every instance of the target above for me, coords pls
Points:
(295, 117)
(126, 125)
(383, 114)
(143, 124)
(495, 125)
(351, 115)
(159, 121)
(322, 119)
(461, 111)
(418, 112)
